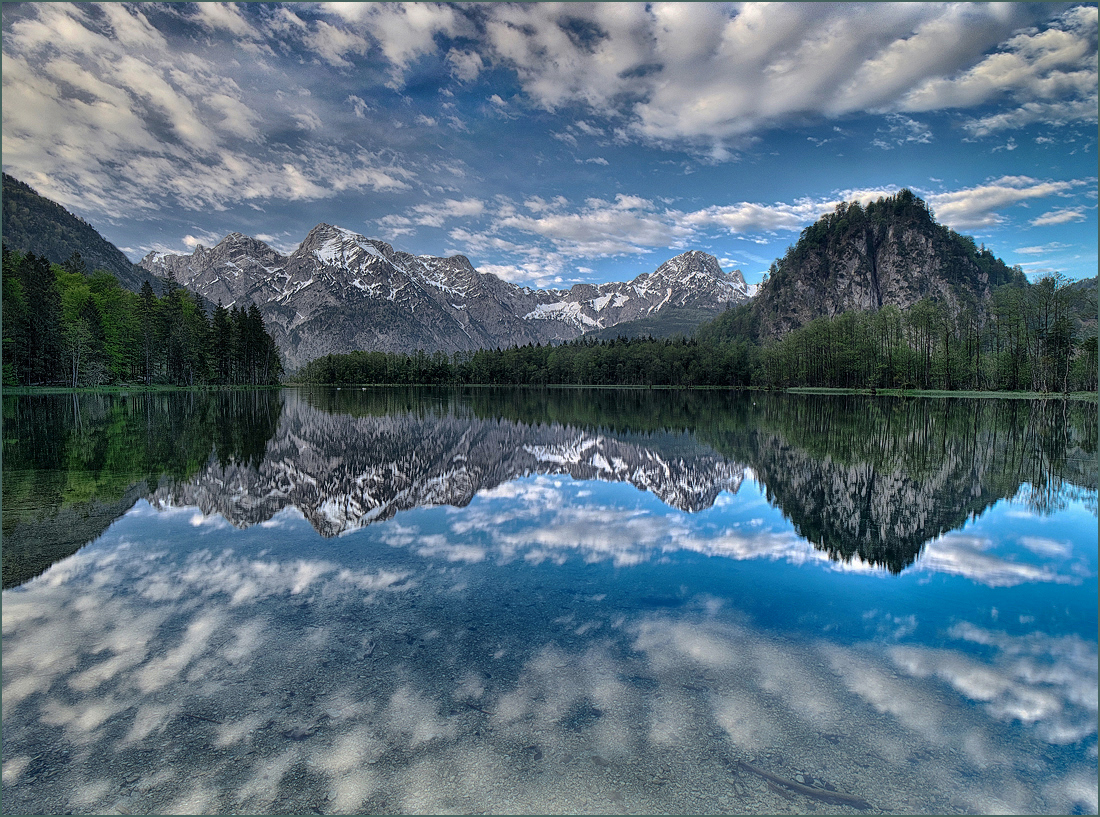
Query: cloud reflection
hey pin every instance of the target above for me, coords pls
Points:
(217, 679)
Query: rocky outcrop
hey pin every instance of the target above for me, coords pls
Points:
(891, 252)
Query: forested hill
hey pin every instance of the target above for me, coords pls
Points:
(890, 252)
(33, 223)
(66, 327)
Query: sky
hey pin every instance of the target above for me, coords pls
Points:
(557, 143)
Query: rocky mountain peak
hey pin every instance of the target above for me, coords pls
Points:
(336, 246)
(694, 276)
(340, 291)
(239, 245)
(889, 252)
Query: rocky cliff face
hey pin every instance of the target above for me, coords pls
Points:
(339, 292)
(890, 253)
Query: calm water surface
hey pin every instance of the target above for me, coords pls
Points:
(558, 601)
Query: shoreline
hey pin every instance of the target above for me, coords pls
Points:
(22, 391)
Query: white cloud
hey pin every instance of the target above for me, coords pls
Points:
(1053, 246)
(584, 127)
(102, 113)
(603, 229)
(968, 556)
(714, 75)
(403, 31)
(1051, 113)
(334, 44)
(223, 17)
(529, 274)
(307, 120)
(751, 217)
(436, 213)
(1046, 682)
(360, 106)
(901, 130)
(465, 65)
(1051, 73)
(975, 207)
(562, 136)
(205, 239)
(1064, 216)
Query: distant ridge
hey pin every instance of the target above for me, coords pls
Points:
(34, 223)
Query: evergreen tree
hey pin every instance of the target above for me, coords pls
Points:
(41, 364)
(15, 320)
(147, 320)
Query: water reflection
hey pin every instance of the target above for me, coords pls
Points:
(75, 463)
(523, 602)
(866, 481)
(183, 674)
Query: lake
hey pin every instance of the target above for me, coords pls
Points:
(548, 601)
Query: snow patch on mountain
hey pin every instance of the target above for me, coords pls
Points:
(340, 291)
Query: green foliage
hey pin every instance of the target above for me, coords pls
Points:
(737, 324)
(63, 326)
(585, 361)
(33, 338)
(1030, 342)
(72, 463)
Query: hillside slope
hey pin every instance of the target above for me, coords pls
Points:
(33, 223)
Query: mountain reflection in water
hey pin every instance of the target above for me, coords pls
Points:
(871, 479)
(557, 601)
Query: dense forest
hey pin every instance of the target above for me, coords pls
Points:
(1034, 338)
(1031, 338)
(65, 326)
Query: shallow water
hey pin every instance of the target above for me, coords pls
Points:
(549, 602)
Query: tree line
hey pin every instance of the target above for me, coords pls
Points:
(582, 362)
(64, 326)
(1031, 337)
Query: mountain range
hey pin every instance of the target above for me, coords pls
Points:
(340, 291)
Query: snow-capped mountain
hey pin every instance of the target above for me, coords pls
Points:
(340, 291)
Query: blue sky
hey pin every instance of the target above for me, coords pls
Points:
(554, 143)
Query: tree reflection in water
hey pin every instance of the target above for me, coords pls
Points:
(528, 634)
